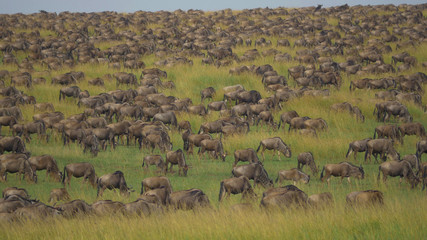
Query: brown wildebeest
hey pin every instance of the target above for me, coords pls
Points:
(194, 140)
(365, 198)
(189, 199)
(141, 207)
(286, 117)
(236, 185)
(277, 144)
(245, 155)
(19, 165)
(48, 163)
(398, 168)
(357, 146)
(306, 158)
(206, 93)
(58, 194)
(7, 121)
(421, 148)
(161, 195)
(72, 91)
(317, 124)
(217, 106)
(15, 191)
(75, 208)
(160, 140)
(105, 134)
(414, 128)
(197, 110)
(297, 123)
(156, 160)
(413, 160)
(320, 200)
(37, 127)
(155, 182)
(253, 171)
(342, 169)
(389, 131)
(166, 118)
(37, 211)
(176, 158)
(104, 207)
(212, 127)
(91, 142)
(214, 146)
(284, 198)
(267, 118)
(384, 147)
(43, 107)
(113, 181)
(83, 169)
(294, 174)
(184, 125)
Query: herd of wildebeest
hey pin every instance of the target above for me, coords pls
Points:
(145, 116)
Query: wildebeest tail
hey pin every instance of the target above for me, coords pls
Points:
(280, 123)
(142, 188)
(221, 191)
(258, 147)
(379, 173)
(348, 151)
(63, 175)
(321, 174)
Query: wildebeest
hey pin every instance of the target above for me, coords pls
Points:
(58, 194)
(103, 207)
(236, 185)
(189, 199)
(316, 124)
(365, 198)
(7, 121)
(245, 155)
(125, 78)
(83, 169)
(112, 181)
(253, 171)
(176, 158)
(342, 169)
(284, 198)
(389, 131)
(294, 175)
(357, 146)
(155, 182)
(91, 142)
(421, 148)
(166, 118)
(37, 211)
(214, 146)
(194, 140)
(306, 158)
(398, 168)
(277, 144)
(19, 165)
(206, 93)
(15, 191)
(414, 128)
(141, 207)
(286, 117)
(320, 200)
(158, 196)
(72, 91)
(75, 208)
(48, 163)
(156, 160)
(384, 147)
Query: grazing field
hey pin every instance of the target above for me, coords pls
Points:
(89, 43)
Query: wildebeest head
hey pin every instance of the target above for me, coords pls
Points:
(361, 173)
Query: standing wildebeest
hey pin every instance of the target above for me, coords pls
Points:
(12, 144)
(166, 118)
(189, 199)
(275, 143)
(316, 124)
(155, 182)
(112, 181)
(342, 169)
(194, 140)
(245, 155)
(214, 146)
(236, 185)
(7, 121)
(38, 127)
(421, 148)
(83, 169)
(217, 106)
(72, 91)
(382, 146)
(389, 131)
(125, 78)
(206, 93)
(156, 160)
(48, 163)
(58, 194)
(176, 158)
(91, 142)
(297, 123)
(306, 158)
(365, 198)
(286, 117)
(357, 146)
(283, 197)
(414, 128)
(294, 174)
(19, 165)
(398, 168)
(253, 171)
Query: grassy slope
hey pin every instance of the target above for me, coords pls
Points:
(402, 216)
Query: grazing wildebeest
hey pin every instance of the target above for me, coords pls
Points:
(277, 144)
(342, 169)
(189, 199)
(320, 200)
(83, 169)
(19, 165)
(37, 211)
(389, 131)
(253, 171)
(236, 185)
(384, 147)
(194, 140)
(245, 155)
(413, 160)
(284, 198)
(15, 191)
(197, 110)
(365, 198)
(357, 146)
(160, 140)
(398, 168)
(75, 208)
(7, 121)
(214, 146)
(104, 207)
(184, 125)
(212, 127)
(217, 106)
(155, 182)
(91, 142)
(72, 91)
(141, 207)
(176, 158)
(206, 93)
(414, 128)
(58, 194)
(294, 175)
(316, 124)
(166, 118)
(306, 158)
(156, 160)
(421, 148)
(286, 117)
(48, 163)
(158, 195)
(113, 181)
(297, 123)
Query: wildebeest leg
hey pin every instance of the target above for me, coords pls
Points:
(262, 153)
(341, 179)
(328, 179)
(348, 179)
(278, 154)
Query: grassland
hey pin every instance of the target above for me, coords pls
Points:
(402, 217)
